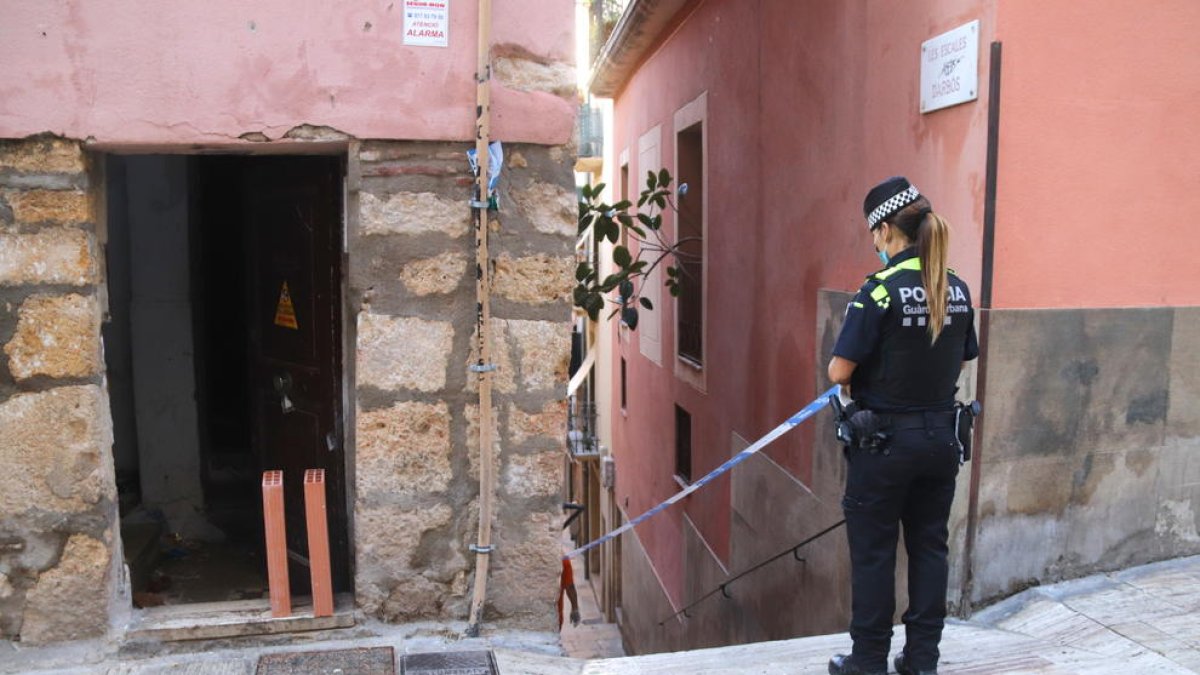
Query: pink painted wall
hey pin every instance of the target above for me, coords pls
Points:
(1099, 155)
(207, 72)
(809, 104)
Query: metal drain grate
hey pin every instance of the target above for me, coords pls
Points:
(449, 663)
(362, 661)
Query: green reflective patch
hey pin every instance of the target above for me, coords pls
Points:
(880, 295)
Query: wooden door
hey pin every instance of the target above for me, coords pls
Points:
(294, 212)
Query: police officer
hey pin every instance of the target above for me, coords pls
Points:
(906, 335)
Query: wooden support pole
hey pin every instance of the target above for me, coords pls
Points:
(318, 542)
(487, 479)
(276, 531)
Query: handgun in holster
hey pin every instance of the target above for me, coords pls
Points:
(858, 428)
(841, 421)
(964, 422)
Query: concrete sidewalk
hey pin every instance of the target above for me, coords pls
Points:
(1141, 620)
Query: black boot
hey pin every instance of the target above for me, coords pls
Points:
(844, 664)
(903, 668)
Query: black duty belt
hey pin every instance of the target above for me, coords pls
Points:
(943, 419)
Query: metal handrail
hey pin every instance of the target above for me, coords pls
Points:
(723, 589)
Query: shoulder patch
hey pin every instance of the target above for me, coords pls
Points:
(880, 295)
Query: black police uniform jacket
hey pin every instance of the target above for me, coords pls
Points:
(886, 333)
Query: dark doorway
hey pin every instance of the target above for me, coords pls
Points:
(249, 373)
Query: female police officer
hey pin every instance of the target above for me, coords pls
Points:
(907, 333)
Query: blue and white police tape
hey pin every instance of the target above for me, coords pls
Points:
(794, 421)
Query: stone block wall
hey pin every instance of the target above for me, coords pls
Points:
(412, 299)
(57, 490)
(1089, 445)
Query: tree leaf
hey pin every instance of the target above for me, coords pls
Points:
(602, 226)
(645, 302)
(622, 205)
(581, 271)
(614, 232)
(626, 289)
(629, 317)
(664, 177)
(621, 256)
(651, 180)
(593, 305)
(671, 271)
(599, 188)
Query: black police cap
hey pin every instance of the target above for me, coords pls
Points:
(887, 198)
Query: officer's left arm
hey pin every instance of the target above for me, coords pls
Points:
(840, 370)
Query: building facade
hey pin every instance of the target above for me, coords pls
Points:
(1065, 175)
(235, 239)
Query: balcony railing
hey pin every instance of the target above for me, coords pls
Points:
(591, 131)
(581, 429)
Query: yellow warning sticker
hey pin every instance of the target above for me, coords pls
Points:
(285, 313)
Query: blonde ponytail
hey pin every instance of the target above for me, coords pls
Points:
(933, 244)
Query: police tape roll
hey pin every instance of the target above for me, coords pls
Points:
(794, 421)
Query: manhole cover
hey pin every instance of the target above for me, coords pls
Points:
(362, 661)
(448, 663)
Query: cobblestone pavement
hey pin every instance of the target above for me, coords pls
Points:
(1144, 620)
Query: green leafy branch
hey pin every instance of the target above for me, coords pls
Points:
(645, 226)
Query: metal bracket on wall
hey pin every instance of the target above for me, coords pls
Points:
(476, 548)
(482, 368)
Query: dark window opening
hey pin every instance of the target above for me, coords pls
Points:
(624, 196)
(623, 399)
(690, 315)
(683, 444)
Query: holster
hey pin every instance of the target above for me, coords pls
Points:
(841, 421)
(857, 428)
(871, 431)
(964, 424)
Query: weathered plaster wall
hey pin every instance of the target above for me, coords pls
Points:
(1089, 445)
(57, 491)
(809, 104)
(214, 72)
(412, 286)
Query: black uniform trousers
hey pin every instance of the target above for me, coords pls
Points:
(911, 484)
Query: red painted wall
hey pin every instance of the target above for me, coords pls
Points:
(809, 104)
(1099, 155)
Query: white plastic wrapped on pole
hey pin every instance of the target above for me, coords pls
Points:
(495, 164)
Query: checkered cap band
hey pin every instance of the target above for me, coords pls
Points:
(892, 205)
